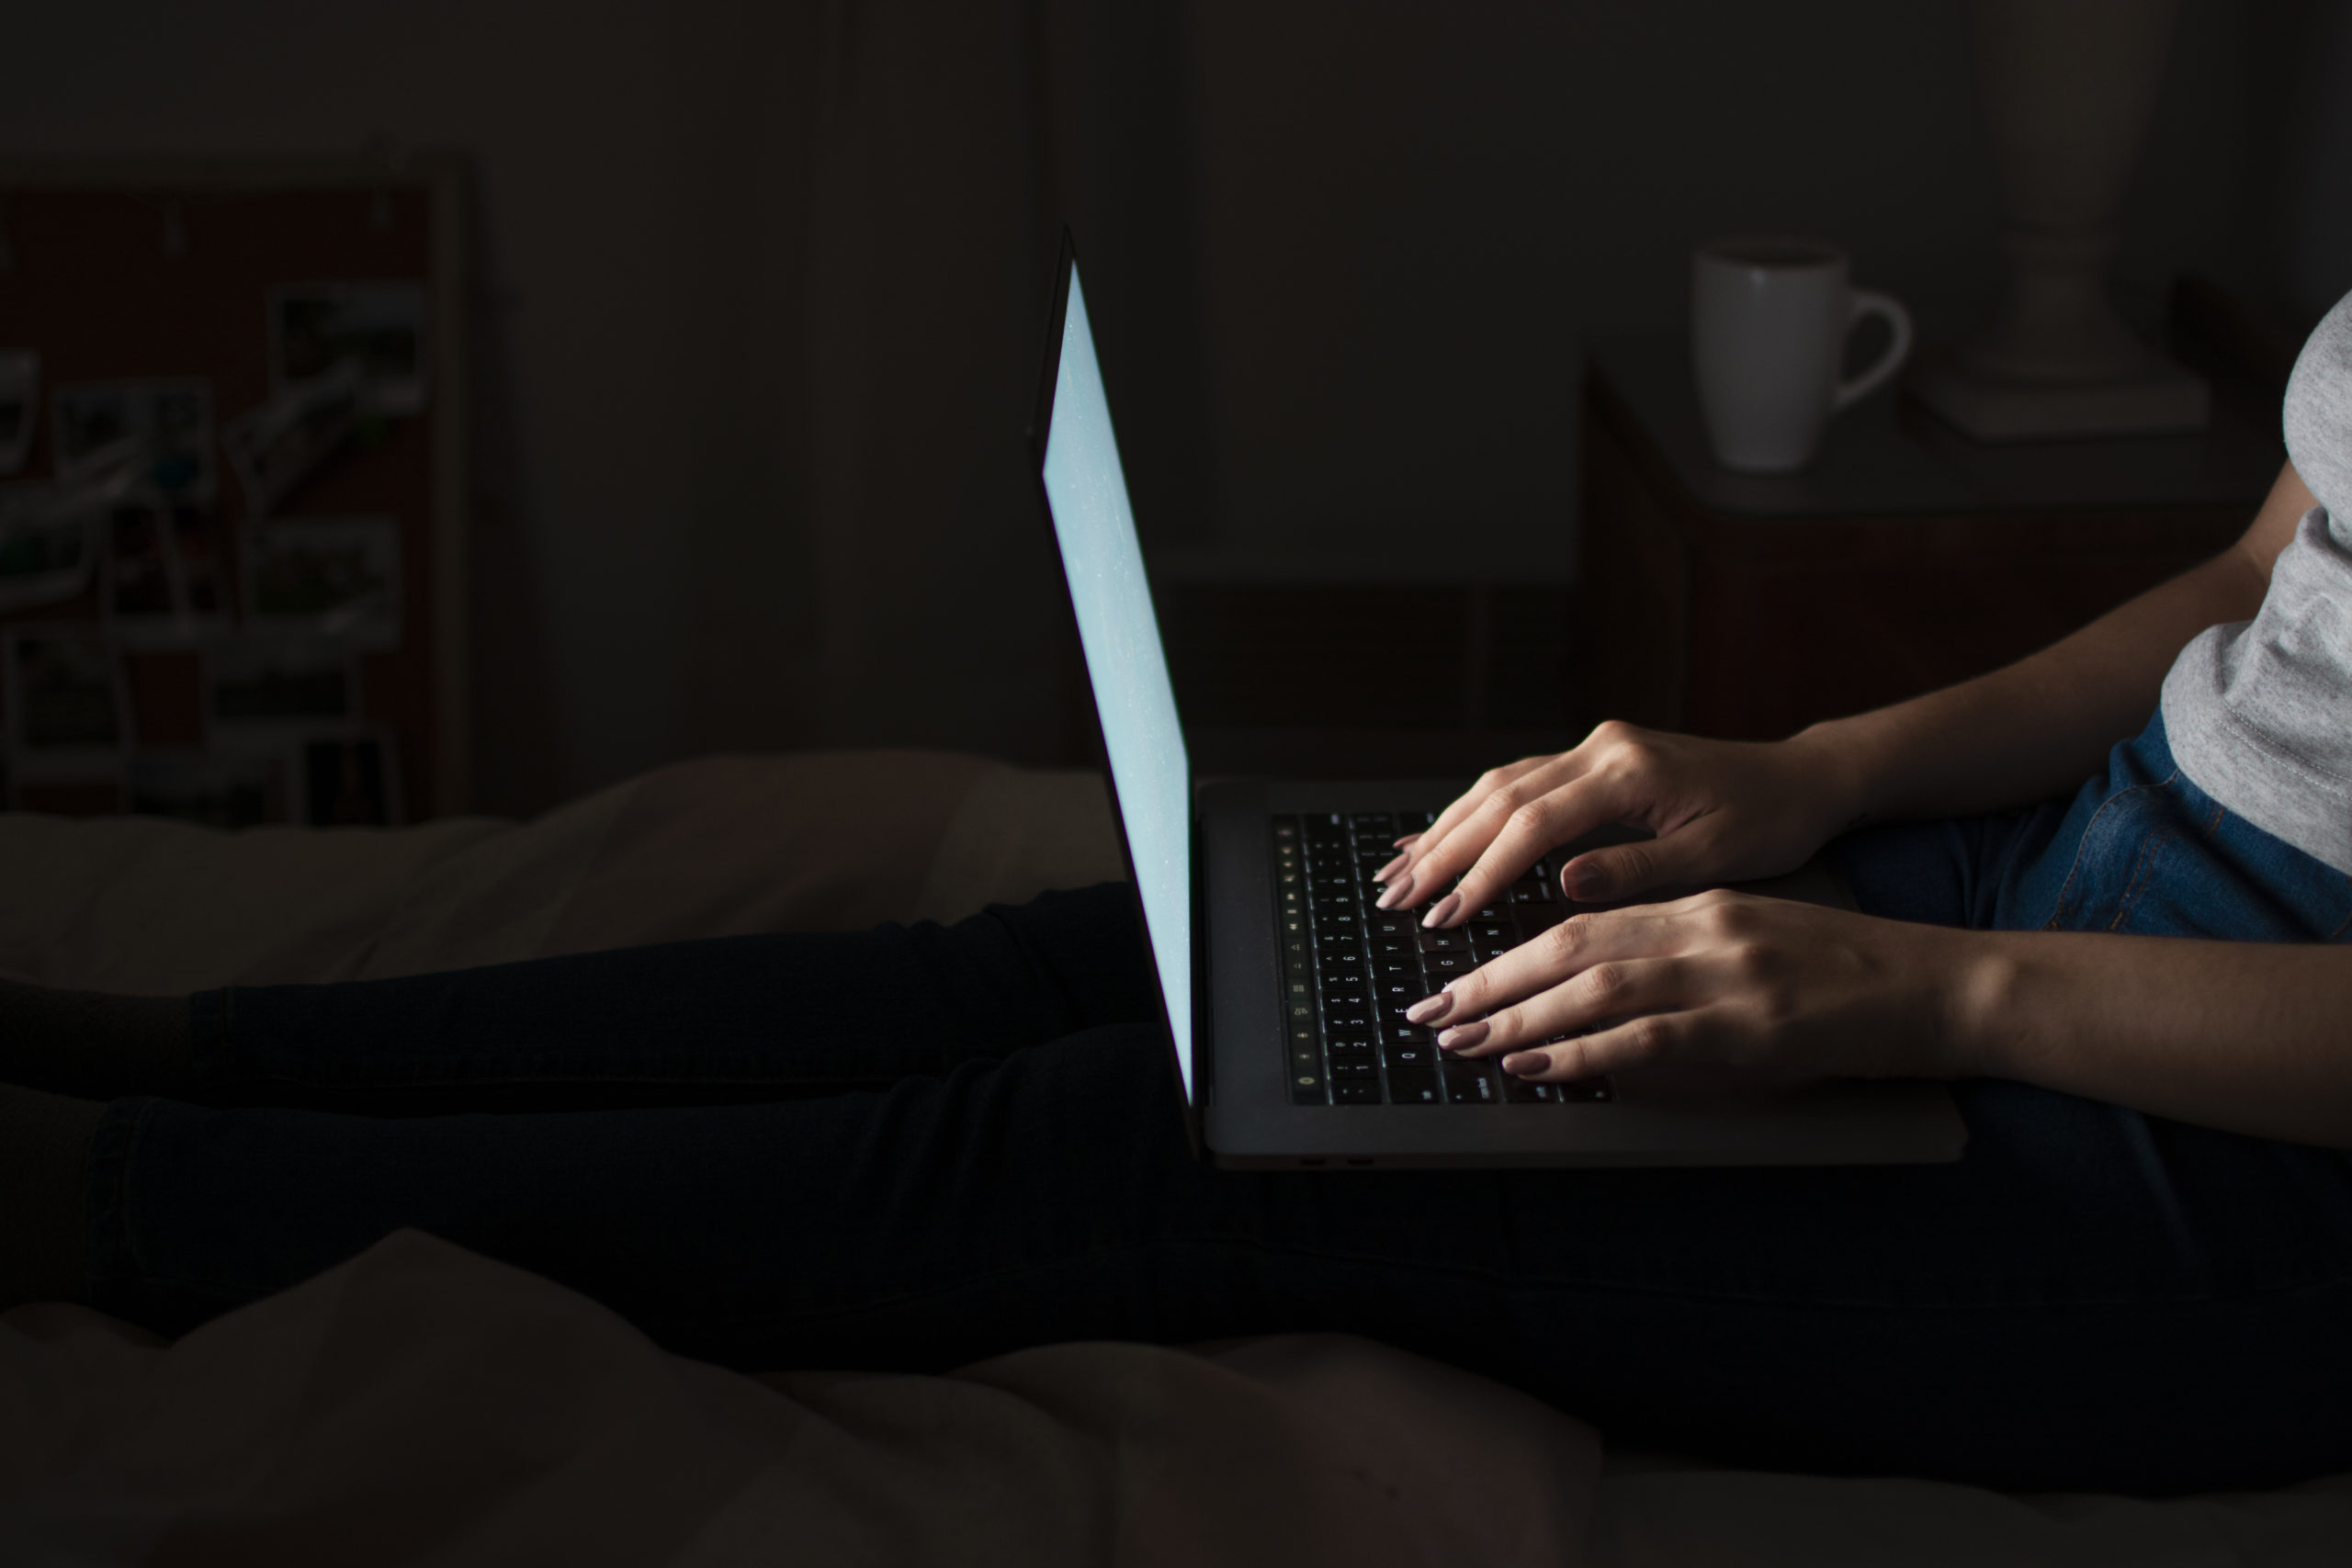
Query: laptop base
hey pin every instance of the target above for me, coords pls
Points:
(1251, 1123)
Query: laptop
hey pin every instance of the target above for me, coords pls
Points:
(1283, 988)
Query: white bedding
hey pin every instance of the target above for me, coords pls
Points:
(420, 1403)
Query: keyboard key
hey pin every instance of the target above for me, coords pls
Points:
(1393, 947)
(1480, 951)
(1531, 893)
(1492, 931)
(1469, 1083)
(1387, 922)
(1420, 1056)
(1307, 1089)
(1401, 965)
(1355, 1094)
(1589, 1092)
(1518, 1091)
(1443, 967)
(1354, 1072)
(1443, 942)
(1413, 1086)
(1404, 1034)
(1374, 824)
(1352, 1047)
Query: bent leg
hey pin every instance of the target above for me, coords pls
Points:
(689, 1021)
(2086, 1301)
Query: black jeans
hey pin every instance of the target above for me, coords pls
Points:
(944, 1144)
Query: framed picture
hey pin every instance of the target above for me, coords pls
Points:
(68, 715)
(270, 685)
(164, 575)
(155, 436)
(378, 329)
(298, 327)
(49, 545)
(337, 578)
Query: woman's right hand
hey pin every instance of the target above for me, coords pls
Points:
(1720, 811)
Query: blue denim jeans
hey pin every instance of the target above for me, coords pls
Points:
(911, 1147)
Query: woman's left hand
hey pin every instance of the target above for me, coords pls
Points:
(1762, 987)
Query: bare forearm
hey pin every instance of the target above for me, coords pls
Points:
(2251, 1037)
(2039, 726)
(2042, 725)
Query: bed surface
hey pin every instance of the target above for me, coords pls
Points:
(424, 1404)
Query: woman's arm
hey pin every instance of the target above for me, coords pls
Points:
(2041, 725)
(2252, 1037)
(1727, 811)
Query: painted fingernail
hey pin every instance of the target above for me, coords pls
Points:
(1583, 884)
(1407, 842)
(1526, 1064)
(1393, 896)
(1429, 1008)
(1461, 1036)
(1385, 871)
(1446, 908)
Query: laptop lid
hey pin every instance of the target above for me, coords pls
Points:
(1134, 706)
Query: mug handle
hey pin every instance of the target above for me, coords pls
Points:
(1867, 302)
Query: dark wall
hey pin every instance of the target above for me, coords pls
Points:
(763, 284)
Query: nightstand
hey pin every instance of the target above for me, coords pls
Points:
(1906, 558)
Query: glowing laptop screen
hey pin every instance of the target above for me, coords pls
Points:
(1087, 495)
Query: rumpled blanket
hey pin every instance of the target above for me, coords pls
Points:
(421, 1403)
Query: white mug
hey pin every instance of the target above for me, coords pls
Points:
(1769, 320)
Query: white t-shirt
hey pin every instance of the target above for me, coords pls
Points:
(2259, 713)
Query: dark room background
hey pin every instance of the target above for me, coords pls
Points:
(761, 286)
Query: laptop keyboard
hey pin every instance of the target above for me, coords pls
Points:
(1350, 971)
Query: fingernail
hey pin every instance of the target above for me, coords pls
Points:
(1385, 871)
(1445, 909)
(1429, 1008)
(1392, 895)
(1461, 1036)
(1527, 1063)
(1407, 842)
(1583, 883)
